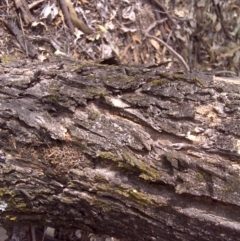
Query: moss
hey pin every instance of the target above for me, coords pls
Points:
(87, 64)
(157, 82)
(2, 192)
(53, 72)
(109, 156)
(8, 59)
(200, 177)
(133, 164)
(65, 200)
(147, 173)
(139, 197)
(21, 206)
(126, 166)
(8, 169)
(93, 115)
(151, 176)
(123, 81)
(96, 91)
(137, 98)
(49, 173)
(79, 67)
(166, 75)
(100, 178)
(178, 76)
(218, 88)
(54, 95)
(132, 195)
(231, 187)
(133, 160)
(105, 207)
(198, 80)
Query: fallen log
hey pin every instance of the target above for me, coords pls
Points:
(138, 153)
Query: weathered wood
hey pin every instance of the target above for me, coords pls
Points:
(137, 153)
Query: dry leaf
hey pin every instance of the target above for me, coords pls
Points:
(58, 52)
(166, 26)
(35, 24)
(201, 3)
(181, 12)
(213, 17)
(136, 38)
(179, 36)
(49, 10)
(218, 27)
(236, 59)
(230, 51)
(106, 51)
(158, 58)
(155, 44)
(128, 13)
(41, 57)
(84, 1)
(125, 29)
(135, 55)
(110, 25)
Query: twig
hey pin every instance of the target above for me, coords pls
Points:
(153, 25)
(34, 4)
(66, 14)
(33, 234)
(224, 72)
(7, 6)
(171, 50)
(169, 36)
(26, 48)
(164, 10)
(77, 21)
(220, 17)
(43, 237)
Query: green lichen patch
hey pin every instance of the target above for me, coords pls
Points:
(138, 99)
(109, 156)
(132, 195)
(4, 192)
(179, 76)
(96, 91)
(21, 206)
(157, 82)
(5, 59)
(144, 199)
(146, 172)
(123, 82)
(198, 81)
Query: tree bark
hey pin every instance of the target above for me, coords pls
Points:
(138, 153)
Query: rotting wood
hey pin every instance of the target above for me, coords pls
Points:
(135, 152)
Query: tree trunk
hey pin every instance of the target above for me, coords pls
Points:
(139, 153)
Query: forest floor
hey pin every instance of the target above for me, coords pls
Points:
(193, 35)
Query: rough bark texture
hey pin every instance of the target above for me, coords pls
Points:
(137, 153)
